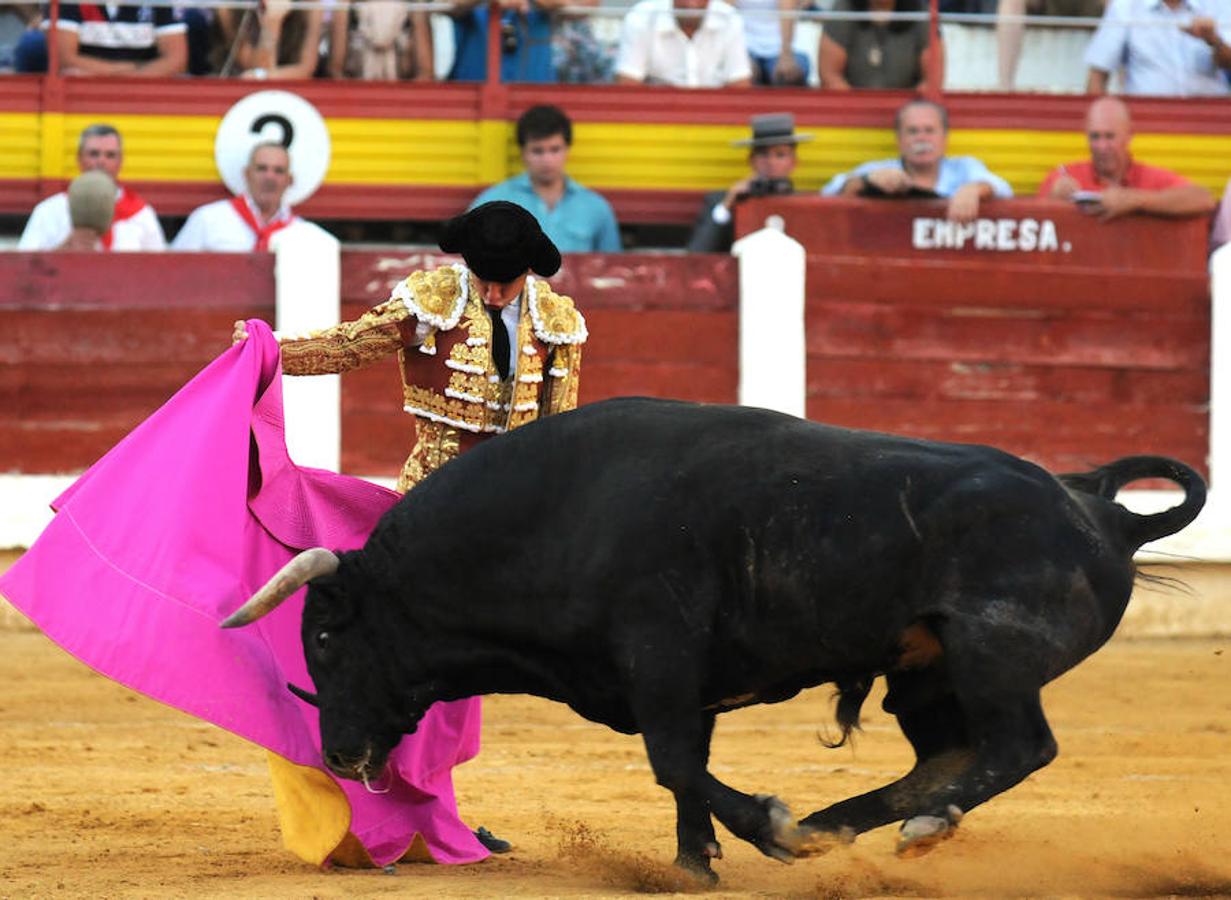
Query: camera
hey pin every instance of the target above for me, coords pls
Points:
(766, 187)
(508, 37)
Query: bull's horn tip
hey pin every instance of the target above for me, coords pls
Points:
(235, 620)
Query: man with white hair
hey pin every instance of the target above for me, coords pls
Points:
(922, 168)
(247, 221)
(134, 225)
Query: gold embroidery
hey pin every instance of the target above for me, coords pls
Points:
(435, 444)
(434, 296)
(561, 392)
(348, 346)
(556, 319)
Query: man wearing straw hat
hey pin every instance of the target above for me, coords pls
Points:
(771, 157)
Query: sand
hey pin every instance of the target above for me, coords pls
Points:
(108, 794)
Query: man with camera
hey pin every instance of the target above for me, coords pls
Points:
(772, 159)
(525, 40)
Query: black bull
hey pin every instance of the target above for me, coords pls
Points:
(653, 563)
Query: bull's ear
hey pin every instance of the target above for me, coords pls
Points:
(303, 695)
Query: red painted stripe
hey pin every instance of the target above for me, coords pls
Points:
(610, 103)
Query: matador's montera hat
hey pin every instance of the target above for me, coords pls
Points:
(500, 241)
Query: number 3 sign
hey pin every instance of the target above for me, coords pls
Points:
(279, 117)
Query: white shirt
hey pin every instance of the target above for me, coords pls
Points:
(49, 227)
(219, 228)
(1158, 58)
(654, 49)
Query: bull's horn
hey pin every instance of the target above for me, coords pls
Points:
(294, 575)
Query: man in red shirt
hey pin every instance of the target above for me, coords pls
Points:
(1112, 183)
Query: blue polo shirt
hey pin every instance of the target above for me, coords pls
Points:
(582, 222)
(531, 61)
(955, 171)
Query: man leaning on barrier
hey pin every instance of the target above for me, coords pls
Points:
(1113, 184)
(922, 169)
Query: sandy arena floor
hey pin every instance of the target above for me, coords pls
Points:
(107, 794)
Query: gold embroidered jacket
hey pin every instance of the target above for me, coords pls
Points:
(438, 326)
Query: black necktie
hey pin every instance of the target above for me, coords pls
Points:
(500, 343)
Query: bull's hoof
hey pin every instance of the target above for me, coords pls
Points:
(922, 833)
(815, 842)
(699, 867)
(784, 836)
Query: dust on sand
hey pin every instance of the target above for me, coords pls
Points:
(108, 794)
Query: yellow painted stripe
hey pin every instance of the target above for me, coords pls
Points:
(605, 154)
(19, 138)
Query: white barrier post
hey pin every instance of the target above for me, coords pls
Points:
(1220, 371)
(772, 351)
(308, 287)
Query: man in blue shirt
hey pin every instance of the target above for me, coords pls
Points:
(922, 169)
(575, 218)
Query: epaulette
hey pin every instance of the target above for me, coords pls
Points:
(436, 297)
(556, 319)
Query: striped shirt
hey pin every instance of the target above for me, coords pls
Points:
(119, 33)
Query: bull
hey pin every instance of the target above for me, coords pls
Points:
(654, 563)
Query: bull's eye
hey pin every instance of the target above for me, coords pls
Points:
(322, 640)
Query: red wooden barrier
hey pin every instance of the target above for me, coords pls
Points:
(91, 344)
(1038, 329)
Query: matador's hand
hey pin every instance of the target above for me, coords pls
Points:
(240, 333)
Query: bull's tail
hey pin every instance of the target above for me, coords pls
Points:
(1138, 529)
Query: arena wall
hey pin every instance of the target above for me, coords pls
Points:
(93, 344)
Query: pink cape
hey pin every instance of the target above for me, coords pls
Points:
(172, 530)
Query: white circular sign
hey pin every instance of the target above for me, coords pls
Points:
(279, 116)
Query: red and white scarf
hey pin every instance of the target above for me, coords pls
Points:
(243, 209)
(127, 205)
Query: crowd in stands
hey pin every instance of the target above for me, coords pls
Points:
(1159, 47)
(1110, 184)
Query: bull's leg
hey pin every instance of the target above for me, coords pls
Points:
(973, 738)
(936, 729)
(678, 756)
(763, 821)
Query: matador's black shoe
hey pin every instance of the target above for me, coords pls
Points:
(491, 842)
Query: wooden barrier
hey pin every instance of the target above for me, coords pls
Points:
(1037, 329)
(91, 344)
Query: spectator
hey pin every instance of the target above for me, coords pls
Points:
(575, 218)
(22, 46)
(276, 40)
(879, 52)
(1182, 50)
(657, 47)
(135, 225)
(577, 54)
(923, 169)
(769, 32)
(381, 39)
(1120, 184)
(1011, 28)
(771, 156)
(102, 39)
(246, 222)
(525, 40)
(91, 206)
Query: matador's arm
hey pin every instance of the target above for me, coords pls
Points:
(381, 331)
